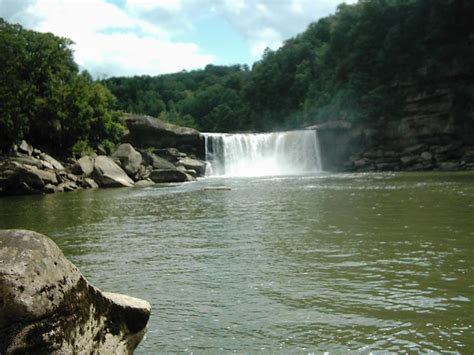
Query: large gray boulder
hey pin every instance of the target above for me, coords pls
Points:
(129, 158)
(147, 131)
(84, 166)
(47, 306)
(169, 175)
(108, 174)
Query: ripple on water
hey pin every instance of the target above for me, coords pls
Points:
(333, 262)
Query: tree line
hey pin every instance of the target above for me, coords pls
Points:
(353, 65)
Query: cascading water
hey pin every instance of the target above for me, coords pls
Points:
(262, 154)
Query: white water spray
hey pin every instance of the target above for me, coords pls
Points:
(262, 154)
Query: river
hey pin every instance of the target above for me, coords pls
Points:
(327, 262)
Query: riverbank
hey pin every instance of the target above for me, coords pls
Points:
(152, 152)
(28, 170)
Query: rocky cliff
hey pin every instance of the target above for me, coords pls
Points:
(435, 131)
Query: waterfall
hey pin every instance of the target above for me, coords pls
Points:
(262, 154)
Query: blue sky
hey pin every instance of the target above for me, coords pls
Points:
(135, 37)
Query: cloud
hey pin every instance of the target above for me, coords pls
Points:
(18, 11)
(261, 23)
(268, 23)
(108, 39)
(149, 36)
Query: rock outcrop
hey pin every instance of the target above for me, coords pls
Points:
(47, 306)
(431, 134)
(147, 131)
(108, 174)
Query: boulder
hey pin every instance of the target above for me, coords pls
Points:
(144, 183)
(426, 156)
(191, 172)
(130, 159)
(53, 162)
(108, 174)
(27, 160)
(170, 154)
(169, 175)
(67, 186)
(156, 162)
(147, 131)
(89, 183)
(17, 179)
(84, 166)
(47, 306)
(449, 165)
(193, 164)
(25, 148)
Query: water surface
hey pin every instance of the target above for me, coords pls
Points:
(366, 262)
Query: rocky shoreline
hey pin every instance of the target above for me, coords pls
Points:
(427, 138)
(27, 170)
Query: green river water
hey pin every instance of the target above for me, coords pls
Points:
(332, 262)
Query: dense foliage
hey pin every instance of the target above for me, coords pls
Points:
(353, 65)
(45, 100)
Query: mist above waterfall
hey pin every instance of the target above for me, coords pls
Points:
(262, 154)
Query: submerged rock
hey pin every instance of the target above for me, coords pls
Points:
(217, 188)
(108, 174)
(47, 306)
(144, 183)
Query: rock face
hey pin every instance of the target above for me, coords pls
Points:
(433, 133)
(47, 306)
(147, 131)
(108, 174)
(129, 158)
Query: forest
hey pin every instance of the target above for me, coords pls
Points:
(354, 65)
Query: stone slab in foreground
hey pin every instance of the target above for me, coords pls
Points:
(47, 306)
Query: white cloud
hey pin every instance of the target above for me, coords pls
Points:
(267, 23)
(148, 5)
(139, 37)
(110, 41)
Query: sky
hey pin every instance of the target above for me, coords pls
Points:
(152, 37)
